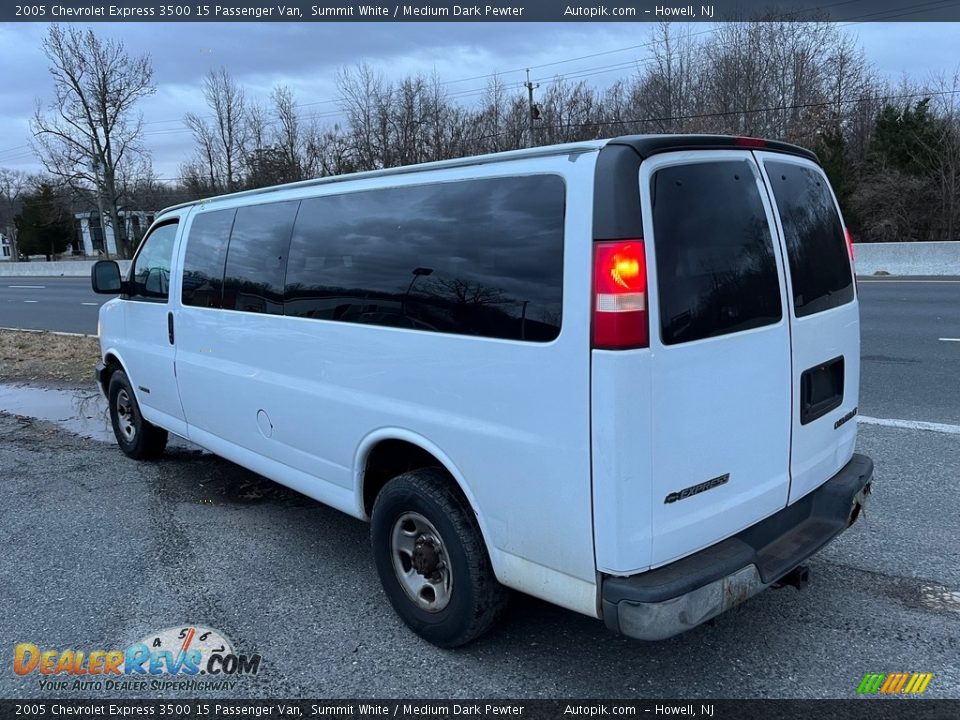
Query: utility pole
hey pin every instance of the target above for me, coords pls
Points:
(534, 111)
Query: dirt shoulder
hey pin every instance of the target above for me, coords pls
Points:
(42, 358)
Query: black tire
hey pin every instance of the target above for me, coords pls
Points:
(474, 600)
(136, 437)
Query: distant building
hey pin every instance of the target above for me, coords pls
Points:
(6, 249)
(91, 233)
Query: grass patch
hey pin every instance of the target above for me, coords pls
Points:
(43, 358)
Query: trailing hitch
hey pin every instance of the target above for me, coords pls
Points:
(799, 578)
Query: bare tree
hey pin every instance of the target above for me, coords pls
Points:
(13, 184)
(91, 129)
(221, 141)
(288, 135)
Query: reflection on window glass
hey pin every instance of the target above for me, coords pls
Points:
(478, 257)
(151, 270)
(819, 260)
(716, 270)
(257, 257)
(205, 257)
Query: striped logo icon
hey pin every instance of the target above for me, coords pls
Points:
(894, 683)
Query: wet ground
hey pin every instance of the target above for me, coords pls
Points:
(103, 550)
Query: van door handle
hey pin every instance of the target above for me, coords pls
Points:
(170, 327)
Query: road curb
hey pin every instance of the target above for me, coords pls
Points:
(49, 332)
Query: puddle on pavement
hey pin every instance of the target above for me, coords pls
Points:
(83, 412)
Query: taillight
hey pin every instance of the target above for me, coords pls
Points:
(750, 142)
(620, 295)
(849, 237)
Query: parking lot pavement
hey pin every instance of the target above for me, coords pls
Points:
(102, 551)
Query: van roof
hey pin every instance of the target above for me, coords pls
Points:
(644, 145)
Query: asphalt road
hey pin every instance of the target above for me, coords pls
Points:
(908, 372)
(38, 303)
(104, 551)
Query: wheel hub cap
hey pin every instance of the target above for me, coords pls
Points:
(421, 563)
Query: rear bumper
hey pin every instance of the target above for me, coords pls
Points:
(669, 600)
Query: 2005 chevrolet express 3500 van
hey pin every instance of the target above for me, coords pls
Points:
(620, 375)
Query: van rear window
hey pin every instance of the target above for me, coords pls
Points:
(819, 259)
(716, 271)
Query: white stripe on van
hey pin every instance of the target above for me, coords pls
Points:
(911, 425)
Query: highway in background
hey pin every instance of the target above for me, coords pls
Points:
(910, 337)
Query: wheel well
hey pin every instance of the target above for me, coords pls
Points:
(113, 364)
(390, 458)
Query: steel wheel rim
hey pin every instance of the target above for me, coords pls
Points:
(421, 562)
(125, 418)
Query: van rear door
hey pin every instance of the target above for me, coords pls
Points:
(719, 349)
(824, 320)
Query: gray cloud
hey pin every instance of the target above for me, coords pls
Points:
(306, 56)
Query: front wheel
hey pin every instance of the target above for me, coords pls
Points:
(432, 560)
(136, 437)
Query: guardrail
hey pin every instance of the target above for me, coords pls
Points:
(908, 258)
(61, 268)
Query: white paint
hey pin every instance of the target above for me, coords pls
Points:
(940, 598)
(911, 425)
(31, 301)
(28, 287)
(949, 339)
(83, 303)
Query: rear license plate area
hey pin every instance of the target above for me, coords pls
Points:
(821, 390)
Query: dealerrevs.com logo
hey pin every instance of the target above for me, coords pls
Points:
(190, 657)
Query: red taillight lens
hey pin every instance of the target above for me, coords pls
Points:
(750, 142)
(620, 295)
(849, 237)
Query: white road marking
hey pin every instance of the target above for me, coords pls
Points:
(949, 339)
(89, 303)
(29, 287)
(31, 301)
(911, 425)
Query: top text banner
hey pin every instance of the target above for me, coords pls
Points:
(86, 11)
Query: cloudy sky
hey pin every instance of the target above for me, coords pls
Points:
(306, 57)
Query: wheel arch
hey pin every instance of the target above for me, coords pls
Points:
(393, 443)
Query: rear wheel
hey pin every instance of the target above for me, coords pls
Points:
(432, 561)
(136, 437)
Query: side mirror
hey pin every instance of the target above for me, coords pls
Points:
(105, 278)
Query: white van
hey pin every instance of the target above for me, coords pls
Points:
(620, 375)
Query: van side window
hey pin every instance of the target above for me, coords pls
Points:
(205, 258)
(257, 257)
(150, 277)
(819, 261)
(716, 271)
(475, 257)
